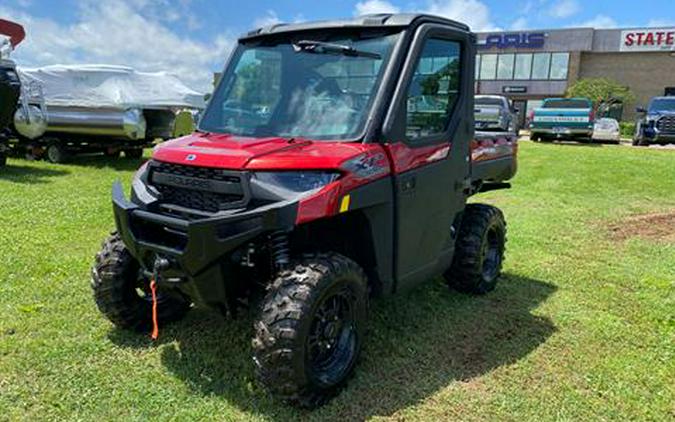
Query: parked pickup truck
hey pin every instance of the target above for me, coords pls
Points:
(494, 112)
(657, 126)
(562, 118)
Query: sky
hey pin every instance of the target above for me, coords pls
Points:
(192, 38)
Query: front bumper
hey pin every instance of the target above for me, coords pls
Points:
(561, 132)
(657, 137)
(196, 248)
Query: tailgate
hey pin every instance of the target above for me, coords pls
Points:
(565, 117)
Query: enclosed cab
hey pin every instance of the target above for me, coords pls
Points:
(333, 164)
(562, 118)
(657, 126)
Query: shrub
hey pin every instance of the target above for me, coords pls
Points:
(627, 129)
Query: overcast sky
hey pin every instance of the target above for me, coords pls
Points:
(191, 38)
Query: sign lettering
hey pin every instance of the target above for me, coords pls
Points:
(648, 40)
(516, 40)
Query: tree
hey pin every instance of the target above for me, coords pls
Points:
(602, 91)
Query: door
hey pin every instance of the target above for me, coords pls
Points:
(432, 116)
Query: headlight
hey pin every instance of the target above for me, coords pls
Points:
(295, 181)
(279, 186)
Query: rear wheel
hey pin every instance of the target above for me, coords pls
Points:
(479, 250)
(56, 153)
(310, 329)
(122, 291)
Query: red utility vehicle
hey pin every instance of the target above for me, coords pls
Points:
(333, 164)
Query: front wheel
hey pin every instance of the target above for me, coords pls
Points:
(479, 250)
(122, 291)
(309, 332)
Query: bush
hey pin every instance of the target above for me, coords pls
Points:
(627, 129)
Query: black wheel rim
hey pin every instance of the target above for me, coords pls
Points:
(492, 255)
(332, 341)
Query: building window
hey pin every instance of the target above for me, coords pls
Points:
(505, 66)
(488, 67)
(559, 64)
(523, 66)
(478, 60)
(541, 63)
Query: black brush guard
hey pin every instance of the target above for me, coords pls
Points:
(195, 248)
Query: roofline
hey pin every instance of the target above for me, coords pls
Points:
(372, 21)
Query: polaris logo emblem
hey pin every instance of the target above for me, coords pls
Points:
(191, 157)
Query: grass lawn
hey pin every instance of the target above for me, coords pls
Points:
(582, 325)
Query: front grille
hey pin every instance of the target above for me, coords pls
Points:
(666, 124)
(198, 188)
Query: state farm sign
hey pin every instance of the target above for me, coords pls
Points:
(648, 40)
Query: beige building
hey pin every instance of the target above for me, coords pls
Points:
(528, 66)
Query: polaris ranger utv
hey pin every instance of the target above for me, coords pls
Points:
(333, 164)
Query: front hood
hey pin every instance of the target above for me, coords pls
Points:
(239, 153)
(657, 114)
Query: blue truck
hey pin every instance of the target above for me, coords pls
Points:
(562, 118)
(657, 124)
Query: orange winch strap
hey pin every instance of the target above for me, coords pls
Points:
(155, 325)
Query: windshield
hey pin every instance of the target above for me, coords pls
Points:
(567, 104)
(489, 101)
(308, 88)
(662, 104)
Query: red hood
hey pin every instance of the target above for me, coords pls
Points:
(235, 152)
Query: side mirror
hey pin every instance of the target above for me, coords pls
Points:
(641, 110)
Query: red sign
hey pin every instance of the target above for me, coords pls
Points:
(648, 40)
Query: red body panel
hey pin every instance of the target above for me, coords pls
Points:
(493, 148)
(279, 154)
(359, 163)
(239, 153)
(404, 158)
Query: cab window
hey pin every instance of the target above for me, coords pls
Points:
(434, 89)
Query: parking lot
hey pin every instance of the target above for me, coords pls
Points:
(580, 328)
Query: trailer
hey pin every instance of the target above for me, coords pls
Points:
(67, 110)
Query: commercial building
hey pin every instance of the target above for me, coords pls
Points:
(528, 66)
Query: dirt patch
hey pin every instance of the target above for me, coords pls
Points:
(649, 226)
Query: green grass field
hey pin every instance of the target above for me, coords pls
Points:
(582, 325)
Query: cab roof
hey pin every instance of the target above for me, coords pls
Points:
(374, 21)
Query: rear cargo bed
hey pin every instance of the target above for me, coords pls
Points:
(493, 157)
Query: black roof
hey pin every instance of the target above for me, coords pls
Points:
(381, 20)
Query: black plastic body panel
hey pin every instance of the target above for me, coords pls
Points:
(196, 247)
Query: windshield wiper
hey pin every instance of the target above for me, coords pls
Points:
(320, 47)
